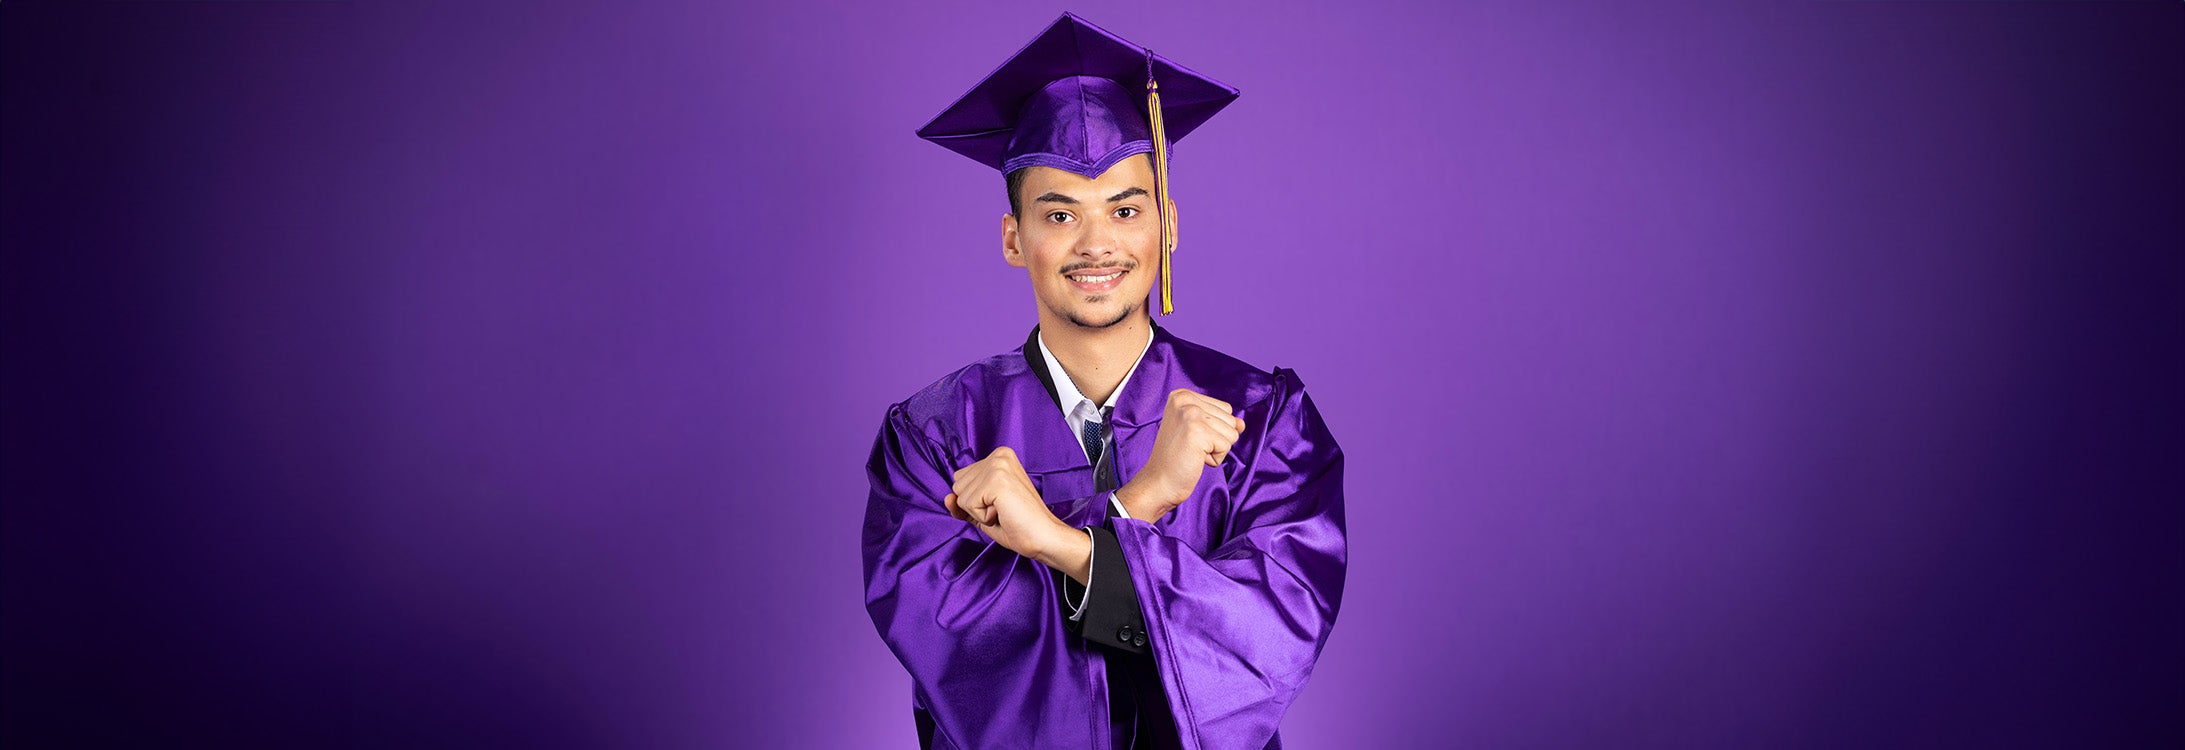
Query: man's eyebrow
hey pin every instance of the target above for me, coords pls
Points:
(1053, 197)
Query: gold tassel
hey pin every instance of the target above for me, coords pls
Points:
(1160, 186)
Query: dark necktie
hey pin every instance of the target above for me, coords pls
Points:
(1095, 435)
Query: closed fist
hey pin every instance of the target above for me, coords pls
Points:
(1196, 432)
(998, 498)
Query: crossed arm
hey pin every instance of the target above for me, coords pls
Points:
(997, 497)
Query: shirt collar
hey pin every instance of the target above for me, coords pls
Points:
(1073, 401)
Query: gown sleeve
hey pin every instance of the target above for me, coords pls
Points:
(1235, 629)
(976, 625)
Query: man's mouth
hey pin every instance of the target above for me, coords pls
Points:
(1098, 279)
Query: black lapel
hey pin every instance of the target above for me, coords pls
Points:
(1038, 364)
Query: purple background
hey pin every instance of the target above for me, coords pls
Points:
(1767, 375)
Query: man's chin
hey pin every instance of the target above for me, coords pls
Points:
(1097, 320)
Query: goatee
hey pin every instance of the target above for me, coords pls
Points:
(1119, 317)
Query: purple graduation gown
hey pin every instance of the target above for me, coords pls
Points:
(1239, 586)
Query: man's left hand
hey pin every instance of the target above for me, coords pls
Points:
(998, 498)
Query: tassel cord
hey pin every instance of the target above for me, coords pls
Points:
(1160, 187)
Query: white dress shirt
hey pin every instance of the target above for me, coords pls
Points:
(1077, 410)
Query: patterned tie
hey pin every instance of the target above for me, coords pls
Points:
(1095, 435)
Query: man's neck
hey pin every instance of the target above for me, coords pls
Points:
(1096, 359)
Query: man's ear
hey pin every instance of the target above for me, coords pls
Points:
(1010, 253)
(1177, 233)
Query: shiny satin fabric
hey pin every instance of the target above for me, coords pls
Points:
(1074, 99)
(1240, 585)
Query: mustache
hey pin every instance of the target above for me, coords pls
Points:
(1076, 267)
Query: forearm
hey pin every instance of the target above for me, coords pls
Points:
(1068, 550)
(1143, 503)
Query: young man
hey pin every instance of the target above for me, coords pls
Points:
(1110, 536)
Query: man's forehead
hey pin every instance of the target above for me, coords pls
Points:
(1127, 173)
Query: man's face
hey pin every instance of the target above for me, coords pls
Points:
(1090, 245)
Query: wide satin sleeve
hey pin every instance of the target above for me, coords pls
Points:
(977, 626)
(1235, 630)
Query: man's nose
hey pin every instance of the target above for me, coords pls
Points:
(1097, 240)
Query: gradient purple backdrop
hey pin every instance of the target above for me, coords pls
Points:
(1761, 375)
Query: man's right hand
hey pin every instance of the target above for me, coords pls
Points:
(1196, 432)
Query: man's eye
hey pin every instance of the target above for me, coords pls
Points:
(1126, 212)
(1059, 217)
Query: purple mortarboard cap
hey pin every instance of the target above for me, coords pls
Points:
(1081, 99)
(1074, 99)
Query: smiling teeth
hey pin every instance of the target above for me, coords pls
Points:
(1096, 279)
